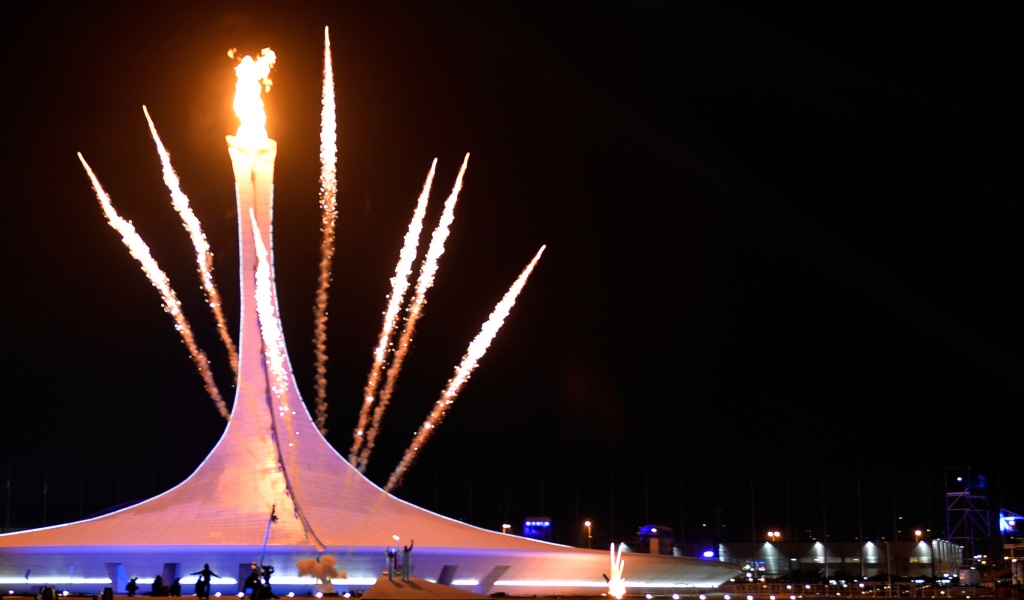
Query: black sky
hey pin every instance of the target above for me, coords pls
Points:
(783, 252)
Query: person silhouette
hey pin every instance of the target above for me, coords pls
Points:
(158, 586)
(132, 587)
(391, 558)
(268, 592)
(253, 581)
(203, 583)
(175, 589)
(407, 561)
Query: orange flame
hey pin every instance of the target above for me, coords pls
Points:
(253, 78)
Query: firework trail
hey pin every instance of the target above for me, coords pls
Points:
(204, 258)
(616, 583)
(426, 280)
(474, 353)
(399, 285)
(172, 306)
(270, 325)
(329, 212)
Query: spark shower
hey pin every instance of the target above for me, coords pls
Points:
(253, 154)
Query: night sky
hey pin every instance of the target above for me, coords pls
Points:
(782, 285)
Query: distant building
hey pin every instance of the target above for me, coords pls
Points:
(933, 559)
(537, 528)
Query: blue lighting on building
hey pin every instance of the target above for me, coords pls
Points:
(537, 528)
(1010, 523)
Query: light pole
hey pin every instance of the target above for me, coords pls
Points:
(588, 525)
(918, 535)
(774, 536)
(888, 565)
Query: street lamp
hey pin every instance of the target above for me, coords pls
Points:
(588, 525)
(888, 565)
(771, 557)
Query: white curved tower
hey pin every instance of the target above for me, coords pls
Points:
(272, 457)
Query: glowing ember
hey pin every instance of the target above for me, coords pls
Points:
(329, 212)
(399, 286)
(253, 77)
(158, 278)
(616, 584)
(425, 281)
(204, 258)
(476, 350)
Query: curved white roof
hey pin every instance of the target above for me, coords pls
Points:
(272, 457)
